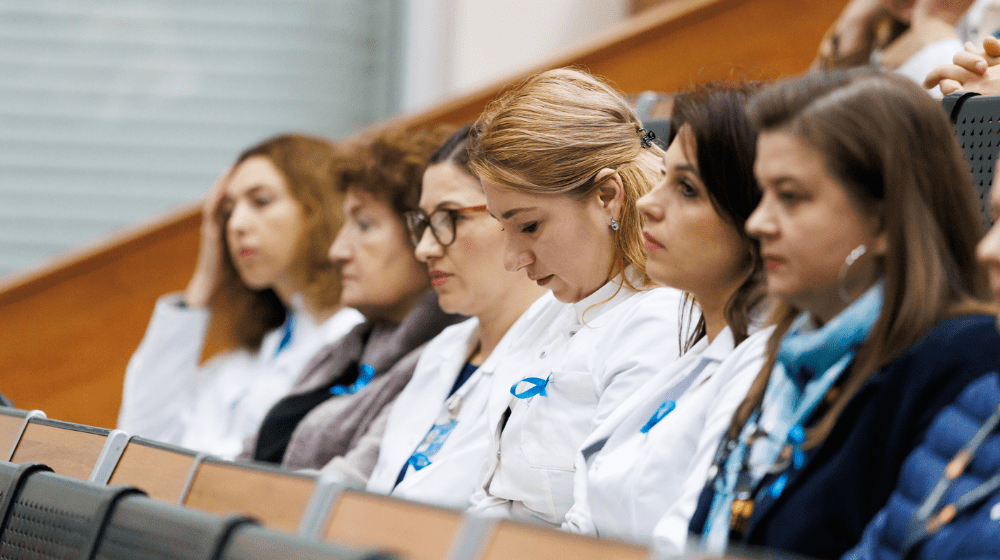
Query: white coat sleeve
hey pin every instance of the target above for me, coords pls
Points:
(734, 377)
(162, 373)
(579, 518)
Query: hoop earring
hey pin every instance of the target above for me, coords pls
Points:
(614, 224)
(848, 261)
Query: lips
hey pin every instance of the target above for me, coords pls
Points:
(439, 278)
(544, 280)
(651, 243)
(247, 252)
(772, 262)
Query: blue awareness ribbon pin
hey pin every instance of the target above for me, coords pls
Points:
(365, 375)
(537, 387)
(665, 408)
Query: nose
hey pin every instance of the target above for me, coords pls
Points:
(761, 223)
(988, 250)
(648, 208)
(340, 250)
(428, 247)
(240, 219)
(515, 257)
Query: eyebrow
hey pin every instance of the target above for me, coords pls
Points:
(687, 167)
(511, 213)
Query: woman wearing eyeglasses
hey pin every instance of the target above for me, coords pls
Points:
(435, 439)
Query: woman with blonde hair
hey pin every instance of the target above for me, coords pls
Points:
(263, 280)
(868, 228)
(563, 160)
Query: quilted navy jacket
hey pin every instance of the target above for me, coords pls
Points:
(972, 535)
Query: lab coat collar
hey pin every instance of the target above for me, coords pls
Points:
(721, 347)
(606, 297)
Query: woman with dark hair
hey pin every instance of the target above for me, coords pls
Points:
(435, 441)
(868, 229)
(332, 416)
(649, 459)
(263, 282)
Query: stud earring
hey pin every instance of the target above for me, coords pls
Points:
(614, 224)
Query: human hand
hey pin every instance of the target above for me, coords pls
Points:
(851, 39)
(974, 69)
(208, 270)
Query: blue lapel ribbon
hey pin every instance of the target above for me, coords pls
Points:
(665, 408)
(365, 375)
(537, 387)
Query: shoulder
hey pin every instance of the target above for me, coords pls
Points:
(458, 334)
(964, 341)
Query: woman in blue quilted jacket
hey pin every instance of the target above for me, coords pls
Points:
(947, 502)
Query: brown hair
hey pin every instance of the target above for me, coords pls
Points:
(390, 165)
(553, 133)
(725, 145)
(893, 150)
(306, 165)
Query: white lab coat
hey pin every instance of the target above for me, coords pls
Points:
(629, 483)
(213, 407)
(453, 473)
(594, 353)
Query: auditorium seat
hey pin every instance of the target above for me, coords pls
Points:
(144, 529)
(258, 543)
(410, 529)
(159, 469)
(71, 449)
(12, 424)
(977, 127)
(47, 515)
(278, 498)
(504, 539)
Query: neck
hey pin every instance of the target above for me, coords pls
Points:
(493, 325)
(715, 321)
(316, 313)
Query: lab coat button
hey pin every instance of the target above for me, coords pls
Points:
(542, 355)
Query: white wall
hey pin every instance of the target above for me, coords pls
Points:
(454, 46)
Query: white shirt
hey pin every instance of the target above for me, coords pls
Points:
(628, 482)
(593, 354)
(213, 407)
(452, 475)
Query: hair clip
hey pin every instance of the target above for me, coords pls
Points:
(646, 137)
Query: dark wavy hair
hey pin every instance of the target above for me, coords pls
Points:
(725, 146)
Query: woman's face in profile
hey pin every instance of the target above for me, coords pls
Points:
(807, 226)
(379, 275)
(467, 273)
(560, 243)
(689, 246)
(264, 226)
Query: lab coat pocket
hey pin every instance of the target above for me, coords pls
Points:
(556, 423)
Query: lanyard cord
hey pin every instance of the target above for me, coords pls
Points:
(929, 518)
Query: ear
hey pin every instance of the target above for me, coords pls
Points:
(611, 193)
(880, 244)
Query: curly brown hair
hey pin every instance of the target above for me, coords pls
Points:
(390, 165)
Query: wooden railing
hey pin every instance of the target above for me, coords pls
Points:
(67, 330)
